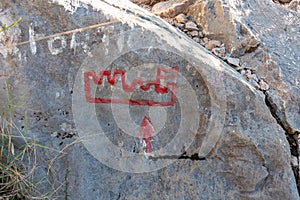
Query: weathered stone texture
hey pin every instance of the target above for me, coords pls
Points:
(244, 152)
(171, 8)
(265, 37)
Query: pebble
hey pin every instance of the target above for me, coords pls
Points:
(248, 74)
(180, 25)
(233, 61)
(249, 44)
(213, 44)
(204, 41)
(254, 77)
(263, 85)
(220, 52)
(294, 161)
(194, 33)
(181, 18)
(191, 26)
(201, 34)
(196, 39)
(243, 72)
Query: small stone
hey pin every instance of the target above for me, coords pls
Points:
(180, 25)
(248, 74)
(254, 77)
(250, 44)
(294, 161)
(191, 26)
(243, 72)
(233, 61)
(212, 44)
(220, 52)
(201, 34)
(181, 18)
(205, 40)
(263, 85)
(194, 33)
(170, 8)
(254, 84)
(196, 39)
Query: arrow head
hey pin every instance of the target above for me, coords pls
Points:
(146, 129)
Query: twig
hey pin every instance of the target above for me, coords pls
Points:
(60, 34)
(5, 27)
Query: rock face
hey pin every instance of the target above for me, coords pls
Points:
(175, 122)
(249, 34)
(269, 64)
(171, 8)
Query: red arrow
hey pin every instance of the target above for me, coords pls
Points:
(146, 133)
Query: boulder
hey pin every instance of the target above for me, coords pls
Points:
(171, 8)
(265, 45)
(121, 105)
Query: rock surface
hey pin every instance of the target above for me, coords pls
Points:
(294, 5)
(171, 8)
(235, 150)
(242, 33)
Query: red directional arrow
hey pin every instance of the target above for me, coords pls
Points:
(146, 132)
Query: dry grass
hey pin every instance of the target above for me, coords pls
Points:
(17, 162)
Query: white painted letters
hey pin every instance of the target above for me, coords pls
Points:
(32, 37)
(57, 50)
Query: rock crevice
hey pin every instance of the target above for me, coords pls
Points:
(291, 136)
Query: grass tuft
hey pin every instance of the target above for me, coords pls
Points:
(16, 177)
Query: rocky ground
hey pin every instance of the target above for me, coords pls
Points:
(177, 13)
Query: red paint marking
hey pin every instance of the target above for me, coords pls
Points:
(3, 75)
(146, 133)
(130, 88)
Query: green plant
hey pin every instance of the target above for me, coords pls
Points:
(16, 177)
(14, 180)
(5, 27)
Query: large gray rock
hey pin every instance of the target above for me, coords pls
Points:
(215, 140)
(265, 36)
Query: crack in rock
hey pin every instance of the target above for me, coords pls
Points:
(193, 157)
(294, 146)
